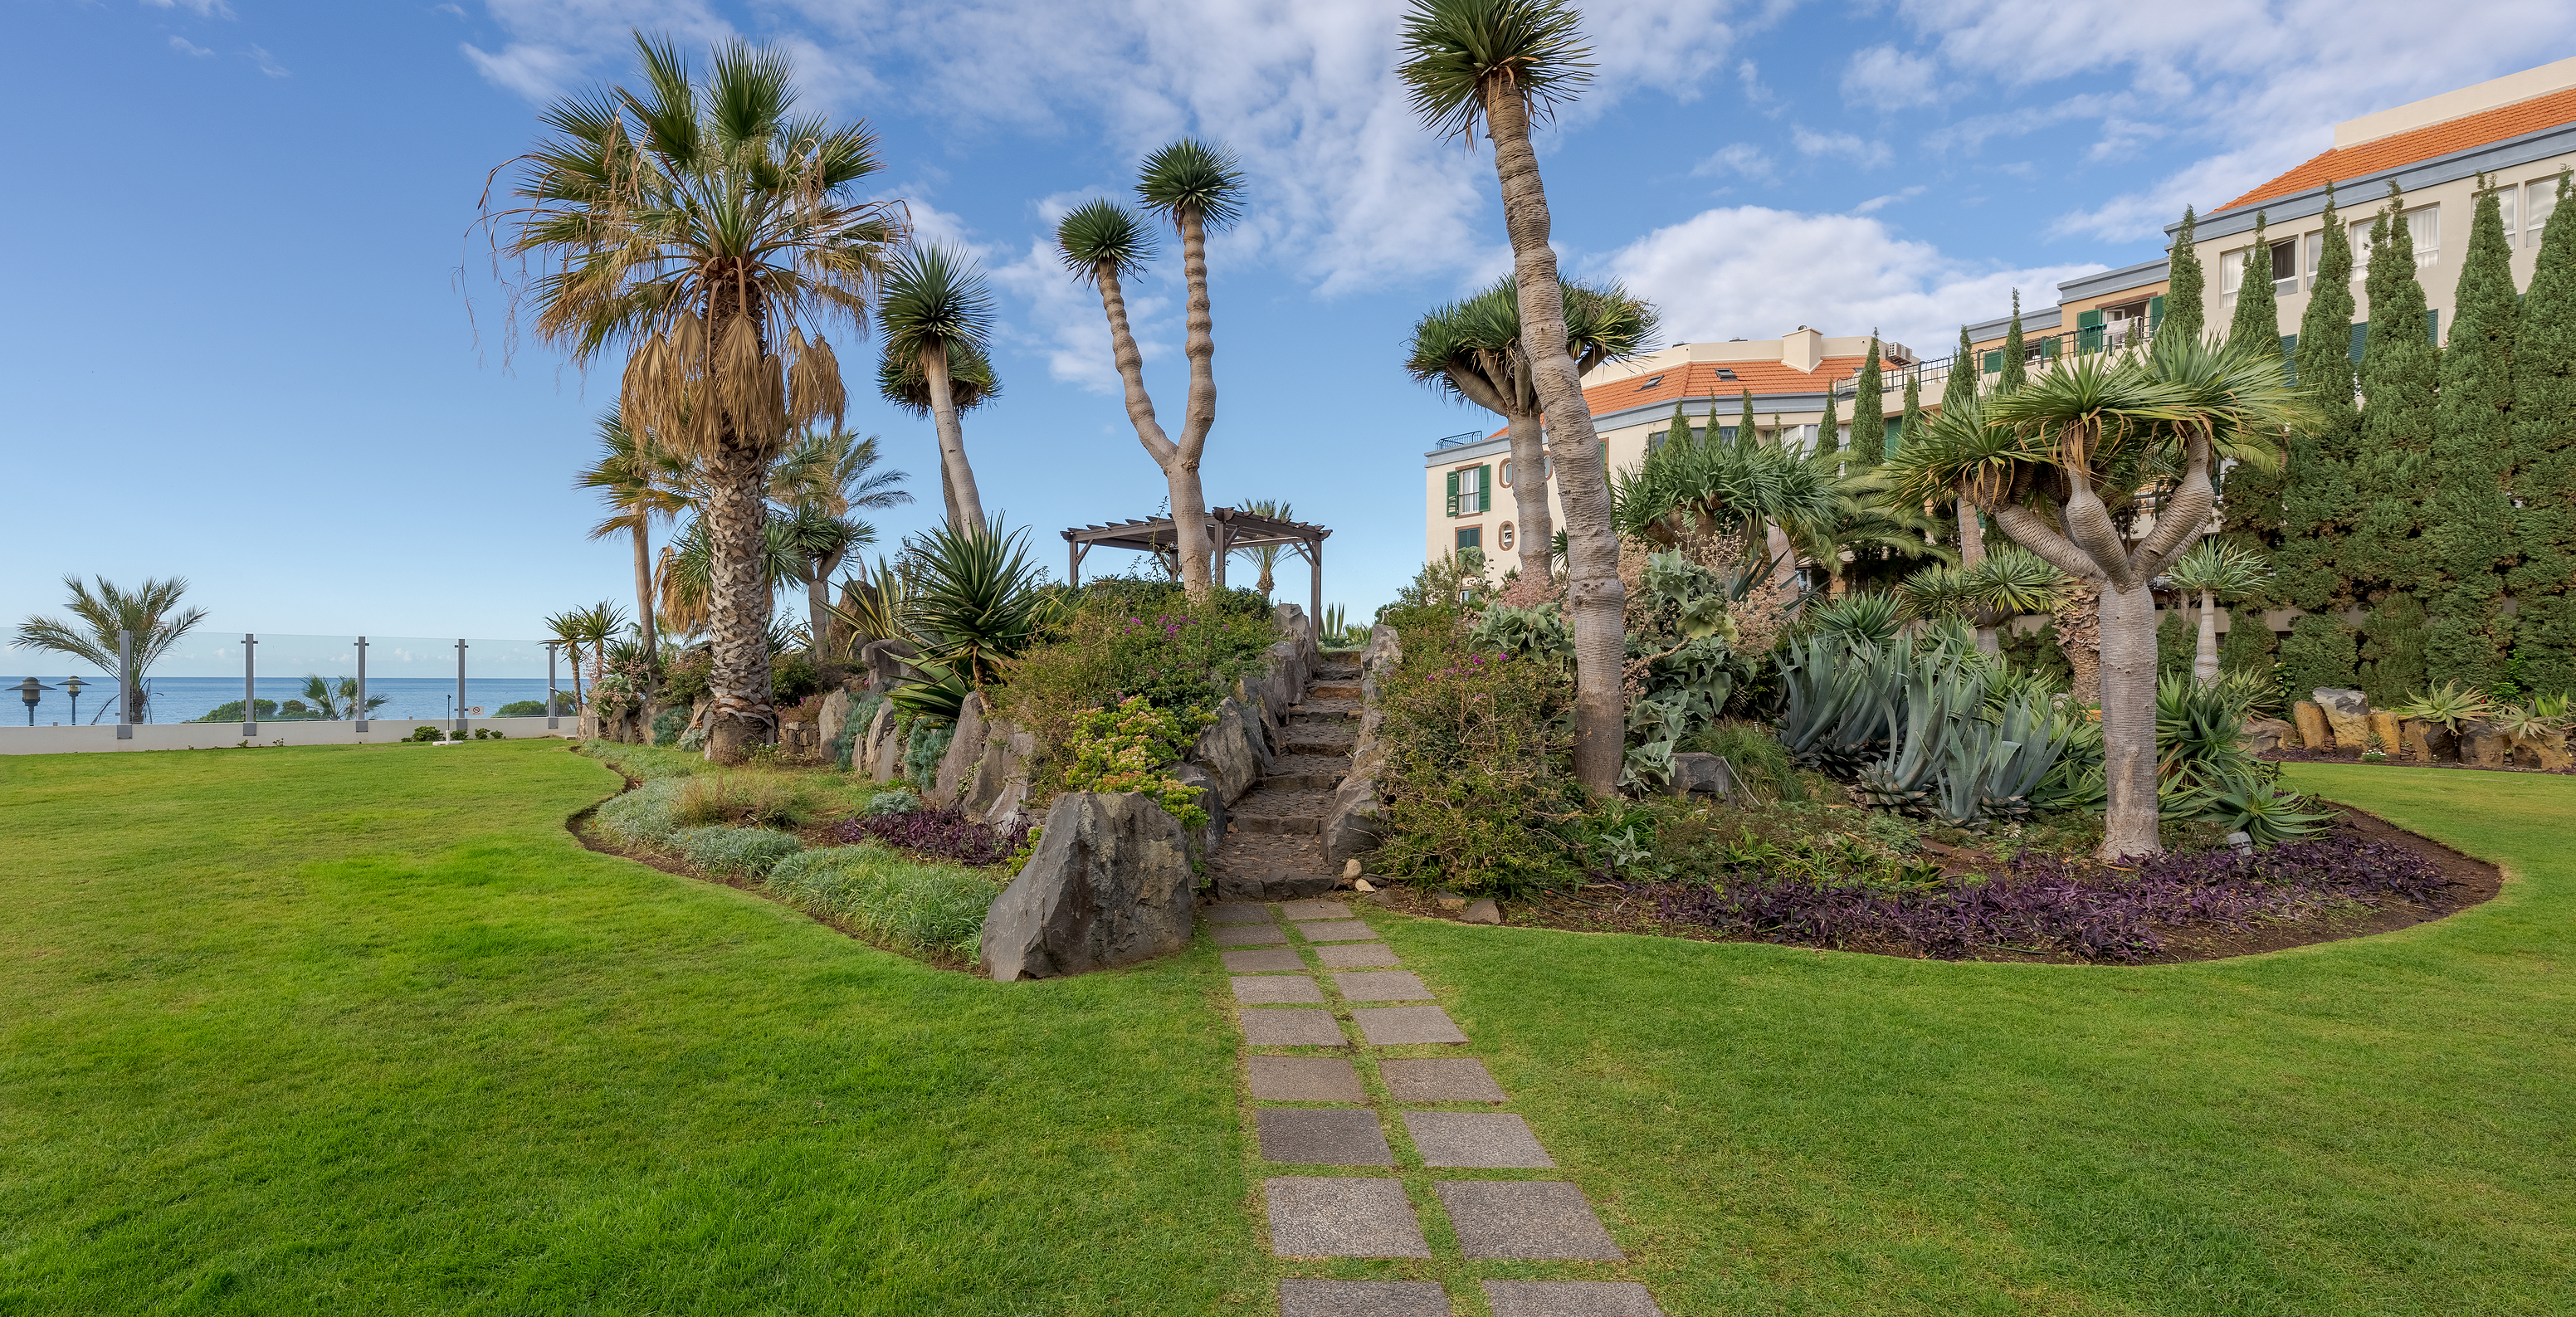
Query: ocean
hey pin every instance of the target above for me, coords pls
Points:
(185, 699)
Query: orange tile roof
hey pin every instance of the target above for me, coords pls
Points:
(2406, 148)
(1696, 381)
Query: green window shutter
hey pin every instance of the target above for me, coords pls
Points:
(2155, 312)
(2433, 325)
(2088, 332)
(1894, 431)
(1484, 489)
(2290, 360)
(2360, 340)
(1453, 493)
(1994, 362)
(2048, 348)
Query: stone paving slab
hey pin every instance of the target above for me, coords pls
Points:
(1394, 985)
(1322, 1136)
(1474, 1138)
(1341, 1218)
(1439, 1079)
(1389, 1026)
(1236, 912)
(1290, 1028)
(1304, 1079)
(1315, 910)
(1567, 1298)
(1356, 955)
(1338, 930)
(1363, 1298)
(1525, 1219)
(1263, 960)
(1277, 990)
(1247, 935)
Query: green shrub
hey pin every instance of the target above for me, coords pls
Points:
(521, 709)
(746, 799)
(936, 908)
(1129, 748)
(1125, 639)
(423, 734)
(668, 724)
(684, 678)
(792, 677)
(899, 801)
(747, 851)
(862, 714)
(923, 749)
(1761, 763)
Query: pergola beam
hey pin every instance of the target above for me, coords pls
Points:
(1229, 530)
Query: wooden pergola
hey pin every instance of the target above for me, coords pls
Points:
(1229, 529)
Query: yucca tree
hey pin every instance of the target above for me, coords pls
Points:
(936, 312)
(2218, 572)
(2038, 461)
(150, 611)
(826, 477)
(638, 482)
(1471, 349)
(710, 233)
(1498, 64)
(1989, 592)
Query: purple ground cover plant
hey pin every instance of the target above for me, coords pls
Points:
(2042, 904)
(944, 833)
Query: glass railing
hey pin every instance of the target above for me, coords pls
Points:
(297, 678)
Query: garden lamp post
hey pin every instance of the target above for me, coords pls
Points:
(125, 685)
(552, 722)
(460, 686)
(31, 690)
(72, 687)
(250, 682)
(360, 713)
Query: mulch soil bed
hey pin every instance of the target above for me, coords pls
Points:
(2298, 755)
(1613, 908)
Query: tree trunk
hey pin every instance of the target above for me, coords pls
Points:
(818, 594)
(644, 591)
(956, 477)
(2128, 635)
(2204, 660)
(1536, 530)
(737, 605)
(1596, 600)
(1189, 505)
(1192, 532)
(1972, 535)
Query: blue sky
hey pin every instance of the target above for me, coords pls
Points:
(257, 343)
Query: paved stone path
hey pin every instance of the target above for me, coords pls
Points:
(1380, 1140)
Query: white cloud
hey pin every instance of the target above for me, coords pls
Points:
(201, 8)
(1889, 79)
(1754, 272)
(1751, 76)
(186, 47)
(1738, 158)
(267, 63)
(538, 73)
(1849, 146)
(557, 44)
(1066, 325)
(1876, 204)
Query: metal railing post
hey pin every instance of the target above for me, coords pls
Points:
(125, 685)
(552, 721)
(250, 698)
(361, 710)
(460, 687)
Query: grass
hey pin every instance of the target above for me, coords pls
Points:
(2372, 1126)
(364, 1030)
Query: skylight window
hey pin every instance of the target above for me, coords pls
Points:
(1724, 373)
(1650, 384)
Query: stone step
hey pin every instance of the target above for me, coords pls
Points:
(1336, 767)
(1304, 781)
(1297, 824)
(1319, 740)
(1270, 810)
(1322, 690)
(1319, 708)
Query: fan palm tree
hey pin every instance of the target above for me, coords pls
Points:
(1265, 556)
(688, 569)
(703, 227)
(1471, 348)
(1501, 63)
(150, 612)
(2036, 461)
(936, 312)
(2218, 572)
(826, 477)
(638, 482)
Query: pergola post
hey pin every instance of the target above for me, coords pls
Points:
(1315, 586)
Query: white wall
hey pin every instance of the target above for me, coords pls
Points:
(207, 736)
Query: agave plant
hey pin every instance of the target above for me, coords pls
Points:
(976, 598)
(2254, 805)
(2451, 705)
(1862, 618)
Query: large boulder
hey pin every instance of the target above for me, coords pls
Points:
(1354, 825)
(2347, 713)
(999, 790)
(1204, 841)
(833, 719)
(2314, 733)
(1110, 885)
(2259, 735)
(887, 663)
(965, 753)
(2484, 745)
(1701, 774)
(2427, 742)
(885, 746)
(1235, 750)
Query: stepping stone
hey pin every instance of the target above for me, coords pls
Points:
(1236, 912)
(1474, 1138)
(1265, 959)
(1311, 1136)
(1564, 1298)
(1316, 910)
(1292, 1029)
(1277, 990)
(1525, 1219)
(1338, 930)
(1356, 955)
(1341, 1218)
(1364, 1298)
(1388, 1026)
(1395, 985)
(1439, 1079)
(1304, 1079)
(1248, 935)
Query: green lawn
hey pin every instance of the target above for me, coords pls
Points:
(362, 1030)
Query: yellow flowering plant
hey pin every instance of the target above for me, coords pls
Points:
(1131, 748)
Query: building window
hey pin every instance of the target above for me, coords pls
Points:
(1471, 537)
(1650, 384)
(2285, 267)
(2505, 197)
(1724, 373)
(2538, 199)
(1503, 537)
(1467, 490)
(2357, 234)
(2316, 249)
(1503, 473)
(2123, 325)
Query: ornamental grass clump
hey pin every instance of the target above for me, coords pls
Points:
(747, 852)
(753, 799)
(932, 908)
(645, 816)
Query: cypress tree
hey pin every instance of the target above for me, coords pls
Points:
(2249, 497)
(2183, 311)
(2469, 634)
(1677, 430)
(1744, 431)
(2318, 653)
(2392, 650)
(1869, 422)
(1911, 427)
(2384, 554)
(2248, 644)
(2016, 371)
(2317, 500)
(2544, 459)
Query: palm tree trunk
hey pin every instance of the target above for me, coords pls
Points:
(2204, 660)
(2128, 638)
(819, 620)
(737, 605)
(1189, 505)
(1537, 528)
(1972, 534)
(1191, 531)
(644, 590)
(956, 477)
(1596, 601)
